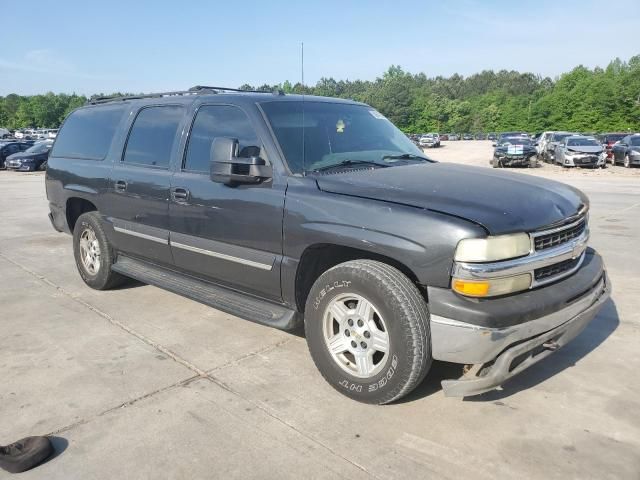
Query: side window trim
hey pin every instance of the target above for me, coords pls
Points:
(133, 123)
(183, 161)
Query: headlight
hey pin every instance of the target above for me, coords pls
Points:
(491, 249)
(491, 287)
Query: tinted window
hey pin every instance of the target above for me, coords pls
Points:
(152, 136)
(88, 132)
(219, 121)
(582, 142)
(635, 141)
(39, 147)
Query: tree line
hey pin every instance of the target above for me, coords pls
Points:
(587, 100)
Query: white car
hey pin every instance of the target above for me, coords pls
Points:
(430, 140)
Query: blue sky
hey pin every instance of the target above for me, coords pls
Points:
(140, 46)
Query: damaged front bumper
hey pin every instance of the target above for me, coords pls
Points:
(498, 353)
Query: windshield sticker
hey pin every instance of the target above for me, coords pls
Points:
(515, 149)
(376, 114)
(340, 126)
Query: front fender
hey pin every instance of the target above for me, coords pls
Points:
(420, 240)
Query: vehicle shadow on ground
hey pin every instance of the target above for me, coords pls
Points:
(596, 332)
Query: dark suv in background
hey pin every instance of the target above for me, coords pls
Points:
(286, 210)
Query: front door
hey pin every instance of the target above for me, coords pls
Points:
(140, 182)
(231, 235)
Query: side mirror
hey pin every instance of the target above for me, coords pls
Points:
(494, 144)
(228, 168)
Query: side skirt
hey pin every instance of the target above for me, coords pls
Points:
(235, 303)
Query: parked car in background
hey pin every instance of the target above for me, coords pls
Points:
(514, 152)
(430, 140)
(504, 135)
(444, 136)
(627, 151)
(579, 151)
(467, 136)
(4, 133)
(454, 137)
(33, 158)
(11, 147)
(52, 133)
(549, 152)
(608, 140)
(492, 136)
(481, 136)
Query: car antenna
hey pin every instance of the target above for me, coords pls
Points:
(304, 153)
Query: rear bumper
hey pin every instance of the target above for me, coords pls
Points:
(58, 218)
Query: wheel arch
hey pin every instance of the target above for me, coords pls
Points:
(318, 258)
(75, 207)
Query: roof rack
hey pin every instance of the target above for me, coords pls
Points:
(196, 90)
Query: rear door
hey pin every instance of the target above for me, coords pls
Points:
(231, 235)
(139, 185)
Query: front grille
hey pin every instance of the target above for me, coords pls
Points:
(555, 269)
(586, 160)
(558, 238)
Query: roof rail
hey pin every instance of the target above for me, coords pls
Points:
(198, 89)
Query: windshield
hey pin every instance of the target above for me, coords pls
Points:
(39, 148)
(557, 137)
(515, 141)
(614, 137)
(335, 133)
(582, 142)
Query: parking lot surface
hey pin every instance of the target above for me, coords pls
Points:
(142, 383)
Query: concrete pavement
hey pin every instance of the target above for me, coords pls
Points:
(141, 383)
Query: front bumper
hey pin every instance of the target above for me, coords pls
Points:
(500, 345)
(23, 167)
(512, 161)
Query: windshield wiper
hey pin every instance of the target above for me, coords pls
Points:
(348, 163)
(406, 156)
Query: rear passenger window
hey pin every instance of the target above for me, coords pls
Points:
(153, 135)
(87, 133)
(219, 121)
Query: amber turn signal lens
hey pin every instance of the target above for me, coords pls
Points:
(471, 288)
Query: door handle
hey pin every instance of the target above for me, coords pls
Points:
(121, 186)
(179, 194)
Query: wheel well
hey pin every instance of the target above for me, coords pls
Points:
(76, 207)
(317, 259)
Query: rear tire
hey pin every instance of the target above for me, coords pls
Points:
(367, 328)
(93, 254)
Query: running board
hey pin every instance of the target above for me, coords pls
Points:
(244, 306)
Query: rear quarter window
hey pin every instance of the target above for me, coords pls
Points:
(88, 132)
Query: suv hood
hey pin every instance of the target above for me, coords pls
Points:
(502, 202)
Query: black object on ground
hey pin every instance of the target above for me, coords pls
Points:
(25, 454)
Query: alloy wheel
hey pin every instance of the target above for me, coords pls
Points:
(355, 335)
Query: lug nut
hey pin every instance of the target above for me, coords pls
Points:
(347, 333)
(353, 344)
(363, 345)
(350, 322)
(367, 334)
(360, 323)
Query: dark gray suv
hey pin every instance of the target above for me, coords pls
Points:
(284, 210)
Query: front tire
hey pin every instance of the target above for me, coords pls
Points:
(93, 253)
(367, 328)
